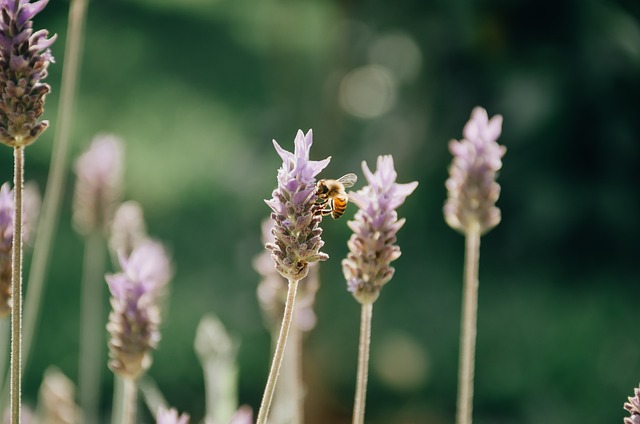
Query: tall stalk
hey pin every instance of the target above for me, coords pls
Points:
(129, 401)
(57, 172)
(16, 287)
(468, 327)
(363, 363)
(91, 326)
(278, 354)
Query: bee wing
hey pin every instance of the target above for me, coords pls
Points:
(348, 180)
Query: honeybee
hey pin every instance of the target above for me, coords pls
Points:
(332, 196)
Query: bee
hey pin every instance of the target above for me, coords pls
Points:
(332, 197)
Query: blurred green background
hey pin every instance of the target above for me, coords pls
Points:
(199, 88)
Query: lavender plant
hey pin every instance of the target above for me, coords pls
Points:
(24, 58)
(470, 208)
(288, 403)
(99, 176)
(297, 237)
(371, 250)
(57, 172)
(135, 317)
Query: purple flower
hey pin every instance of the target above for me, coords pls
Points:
(135, 317)
(170, 416)
(472, 186)
(296, 230)
(99, 174)
(371, 246)
(24, 58)
(633, 406)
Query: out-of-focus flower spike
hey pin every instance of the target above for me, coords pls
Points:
(99, 174)
(244, 415)
(472, 188)
(128, 229)
(135, 316)
(217, 352)
(56, 402)
(170, 416)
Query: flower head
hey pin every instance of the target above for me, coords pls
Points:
(472, 186)
(633, 406)
(170, 416)
(135, 316)
(272, 290)
(128, 229)
(56, 398)
(371, 246)
(296, 230)
(99, 175)
(24, 58)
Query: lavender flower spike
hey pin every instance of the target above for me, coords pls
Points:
(472, 188)
(296, 230)
(633, 406)
(99, 172)
(134, 320)
(24, 58)
(170, 416)
(371, 246)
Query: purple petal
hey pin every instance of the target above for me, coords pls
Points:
(29, 10)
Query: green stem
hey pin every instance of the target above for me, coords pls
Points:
(288, 399)
(468, 328)
(278, 354)
(153, 397)
(16, 287)
(57, 172)
(91, 326)
(4, 346)
(363, 363)
(118, 396)
(129, 401)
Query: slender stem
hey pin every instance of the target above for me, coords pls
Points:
(118, 395)
(288, 399)
(278, 354)
(363, 363)
(16, 286)
(129, 401)
(152, 395)
(57, 172)
(4, 345)
(468, 328)
(91, 326)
